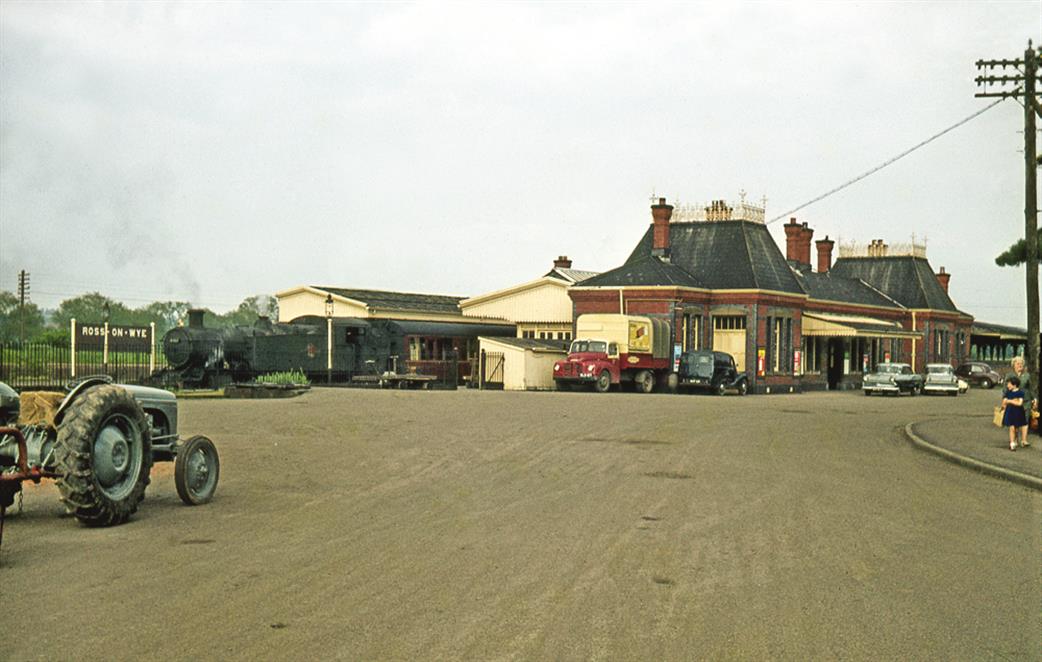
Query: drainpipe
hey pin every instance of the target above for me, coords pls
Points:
(913, 342)
(622, 309)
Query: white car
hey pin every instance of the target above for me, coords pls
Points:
(940, 378)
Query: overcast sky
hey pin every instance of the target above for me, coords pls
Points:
(208, 152)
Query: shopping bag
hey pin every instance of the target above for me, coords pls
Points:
(997, 418)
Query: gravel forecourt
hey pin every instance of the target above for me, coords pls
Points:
(404, 525)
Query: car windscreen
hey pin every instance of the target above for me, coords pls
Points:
(889, 369)
(939, 369)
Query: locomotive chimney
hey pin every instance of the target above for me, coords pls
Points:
(195, 318)
(562, 262)
(660, 215)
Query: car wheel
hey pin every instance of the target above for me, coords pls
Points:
(743, 388)
(868, 393)
(916, 390)
(603, 382)
(986, 383)
(719, 389)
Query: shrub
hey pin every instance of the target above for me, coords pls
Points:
(287, 377)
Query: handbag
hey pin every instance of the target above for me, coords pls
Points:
(997, 417)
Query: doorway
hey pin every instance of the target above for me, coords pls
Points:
(836, 358)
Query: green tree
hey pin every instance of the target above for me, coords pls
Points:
(90, 308)
(1017, 254)
(18, 321)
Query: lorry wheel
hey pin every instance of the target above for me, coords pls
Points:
(603, 382)
(196, 471)
(672, 382)
(104, 455)
(645, 381)
(743, 388)
(562, 386)
(719, 389)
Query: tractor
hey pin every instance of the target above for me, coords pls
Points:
(98, 441)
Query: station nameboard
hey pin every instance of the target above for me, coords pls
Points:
(92, 336)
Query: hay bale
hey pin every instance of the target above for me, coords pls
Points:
(39, 407)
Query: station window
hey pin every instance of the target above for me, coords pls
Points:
(729, 323)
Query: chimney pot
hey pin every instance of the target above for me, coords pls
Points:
(562, 262)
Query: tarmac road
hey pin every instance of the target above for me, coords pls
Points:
(402, 525)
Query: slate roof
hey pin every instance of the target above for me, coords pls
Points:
(830, 287)
(645, 270)
(907, 279)
(535, 343)
(719, 255)
(1000, 330)
(570, 275)
(431, 303)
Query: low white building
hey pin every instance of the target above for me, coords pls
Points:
(520, 364)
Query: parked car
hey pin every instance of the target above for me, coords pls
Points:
(978, 373)
(711, 371)
(893, 378)
(940, 378)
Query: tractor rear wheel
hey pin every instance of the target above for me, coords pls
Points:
(104, 455)
(196, 471)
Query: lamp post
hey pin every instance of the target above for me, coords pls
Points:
(329, 338)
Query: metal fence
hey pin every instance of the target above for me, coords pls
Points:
(44, 366)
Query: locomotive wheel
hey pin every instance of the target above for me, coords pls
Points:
(104, 453)
(196, 471)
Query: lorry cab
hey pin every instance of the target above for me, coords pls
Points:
(590, 362)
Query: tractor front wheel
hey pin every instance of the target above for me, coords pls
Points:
(196, 471)
(104, 455)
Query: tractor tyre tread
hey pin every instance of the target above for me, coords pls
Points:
(80, 491)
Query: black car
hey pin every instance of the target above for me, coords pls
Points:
(712, 371)
(978, 373)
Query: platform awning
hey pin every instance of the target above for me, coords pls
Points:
(832, 325)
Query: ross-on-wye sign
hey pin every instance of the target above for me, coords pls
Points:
(119, 336)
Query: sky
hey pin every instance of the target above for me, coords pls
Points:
(212, 151)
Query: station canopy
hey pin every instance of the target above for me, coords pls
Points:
(833, 325)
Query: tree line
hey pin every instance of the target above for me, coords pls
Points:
(32, 324)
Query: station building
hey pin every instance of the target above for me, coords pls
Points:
(542, 312)
(718, 277)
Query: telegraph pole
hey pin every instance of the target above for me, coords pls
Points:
(23, 295)
(1025, 80)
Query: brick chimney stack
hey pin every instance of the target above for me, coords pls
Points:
(824, 254)
(806, 234)
(562, 262)
(797, 242)
(793, 231)
(943, 277)
(660, 215)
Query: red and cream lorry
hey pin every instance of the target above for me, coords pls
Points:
(613, 349)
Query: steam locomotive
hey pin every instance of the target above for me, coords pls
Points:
(204, 357)
(201, 357)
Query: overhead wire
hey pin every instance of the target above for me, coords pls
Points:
(886, 163)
